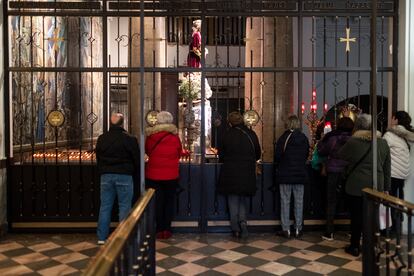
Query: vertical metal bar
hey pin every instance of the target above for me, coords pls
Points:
(336, 65)
(369, 265)
(7, 107)
(373, 91)
(216, 98)
(300, 54)
(142, 95)
(44, 185)
(359, 61)
(324, 65)
(92, 85)
(129, 97)
(151, 235)
(32, 120)
(409, 243)
(203, 217)
(275, 74)
(347, 65)
(20, 93)
(105, 67)
(395, 37)
(387, 240)
(153, 77)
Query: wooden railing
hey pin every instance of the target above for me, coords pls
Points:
(381, 253)
(130, 250)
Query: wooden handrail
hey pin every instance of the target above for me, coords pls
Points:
(386, 199)
(106, 256)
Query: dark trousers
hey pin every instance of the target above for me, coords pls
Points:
(164, 201)
(397, 190)
(237, 210)
(355, 209)
(332, 184)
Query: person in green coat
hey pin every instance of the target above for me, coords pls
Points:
(357, 152)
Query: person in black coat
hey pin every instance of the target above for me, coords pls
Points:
(291, 152)
(239, 151)
(118, 159)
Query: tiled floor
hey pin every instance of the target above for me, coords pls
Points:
(261, 254)
(186, 254)
(46, 254)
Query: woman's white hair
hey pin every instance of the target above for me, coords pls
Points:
(164, 117)
(363, 122)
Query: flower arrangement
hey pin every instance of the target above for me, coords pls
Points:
(190, 87)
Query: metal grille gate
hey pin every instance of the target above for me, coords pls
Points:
(66, 69)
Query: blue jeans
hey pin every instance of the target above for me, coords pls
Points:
(237, 210)
(114, 185)
(285, 195)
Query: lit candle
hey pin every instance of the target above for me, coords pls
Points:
(303, 108)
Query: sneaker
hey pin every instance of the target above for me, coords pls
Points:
(298, 233)
(285, 234)
(101, 242)
(328, 237)
(354, 251)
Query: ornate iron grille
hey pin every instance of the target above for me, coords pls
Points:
(84, 59)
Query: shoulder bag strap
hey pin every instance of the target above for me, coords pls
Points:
(286, 142)
(359, 161)
(157, 143)
(250, 139)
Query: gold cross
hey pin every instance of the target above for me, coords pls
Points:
(55, 39)
(347, 39)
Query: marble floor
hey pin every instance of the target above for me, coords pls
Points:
(46, 254)
(260, 254)
(185, 254)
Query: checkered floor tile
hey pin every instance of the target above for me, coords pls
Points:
(40, 254)
(187, 254)
(261, 254)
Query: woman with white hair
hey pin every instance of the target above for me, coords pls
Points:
(357, 152)
(163, 148)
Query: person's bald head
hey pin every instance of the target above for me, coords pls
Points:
(117, 119)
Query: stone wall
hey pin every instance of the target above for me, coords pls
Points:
(269, 43)
(154, 55)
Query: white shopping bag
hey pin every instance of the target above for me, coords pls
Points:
(383, 217)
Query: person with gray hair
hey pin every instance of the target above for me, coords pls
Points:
(163, 148)
(357, 152)
(291, 153)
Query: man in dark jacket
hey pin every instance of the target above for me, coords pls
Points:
(117, 154)
(291, 152)
(335, 166)
(239, 151)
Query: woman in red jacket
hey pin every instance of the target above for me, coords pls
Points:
(163, 148)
